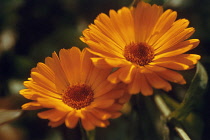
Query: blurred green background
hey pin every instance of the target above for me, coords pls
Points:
(31, 30)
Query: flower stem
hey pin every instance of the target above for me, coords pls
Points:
(135, 2)
(83, 132)
(166, 112)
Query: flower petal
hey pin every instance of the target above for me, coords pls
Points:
(71, 119)
(101, 114)
(168, 74)
(31, 106)
(52, 114)
(156, 81)
(145, 17)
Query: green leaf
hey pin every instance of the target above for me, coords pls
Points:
(9, 115)
(193, 96)
(91, 134)
(171, 103)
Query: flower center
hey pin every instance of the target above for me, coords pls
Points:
(78, 96)
(139, 53)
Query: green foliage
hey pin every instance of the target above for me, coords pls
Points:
(194, 95)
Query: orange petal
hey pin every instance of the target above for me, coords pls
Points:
(178, 49)
(100, 77)
(116, 115)
(171, 65)
(113, 94)
(156, 81)
(117, 62)
(100, 63)
(57, 123)
(34, 88)
(103, 88)
(175, 34)
(86, 65)
(113, 77)
(54, 103)
(115, 107)
(43, 81)
(127, 73)
(145, 18)
(95, 121)
(31, 106)
(71, 120)
(101, 103)
(43, 69)
(187, 59)
(88, 125)
(174, 40)
(146, 88)
(61, 80)
(52, 114)
(135, 86)
(162, 25)
(100, 114)
(168, 74)
(104, 23)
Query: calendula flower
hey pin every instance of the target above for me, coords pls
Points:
(73, 89)
(145, 43)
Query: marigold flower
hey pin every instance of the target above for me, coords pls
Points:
(73, 89)
(146, 43)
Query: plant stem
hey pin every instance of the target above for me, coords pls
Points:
(83, 131)
(166, 112)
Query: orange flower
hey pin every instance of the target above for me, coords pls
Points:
(145, 43)
(73, 89)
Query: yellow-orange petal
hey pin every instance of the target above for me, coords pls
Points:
(95, 121)
(179, 48)
(101, 103)
(162, 25)
(103, 88)
(87, 124)
(61, 80)
(52, 114)
(113, 77)
(101, 114)
(57, 123)
(186, 45)
(37, 88)
(187, 59)
(31, 106)
(172, 65)
(156, 81)
(71, 120)
(168, 74)
(153, 12)
(146, 88)
(43, 81)
(54, 103)
(127, 73)
(135, 86)
(114, 94)
(116, 62)
(100, 63)
(46, 71)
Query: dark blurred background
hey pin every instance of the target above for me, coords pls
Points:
(31, 30)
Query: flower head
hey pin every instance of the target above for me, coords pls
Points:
(146, 43)
(73, 89)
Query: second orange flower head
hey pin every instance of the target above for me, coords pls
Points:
(146, 43)
(72, 89)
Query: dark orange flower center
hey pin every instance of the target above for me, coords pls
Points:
(139, 53)
(78, 96)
